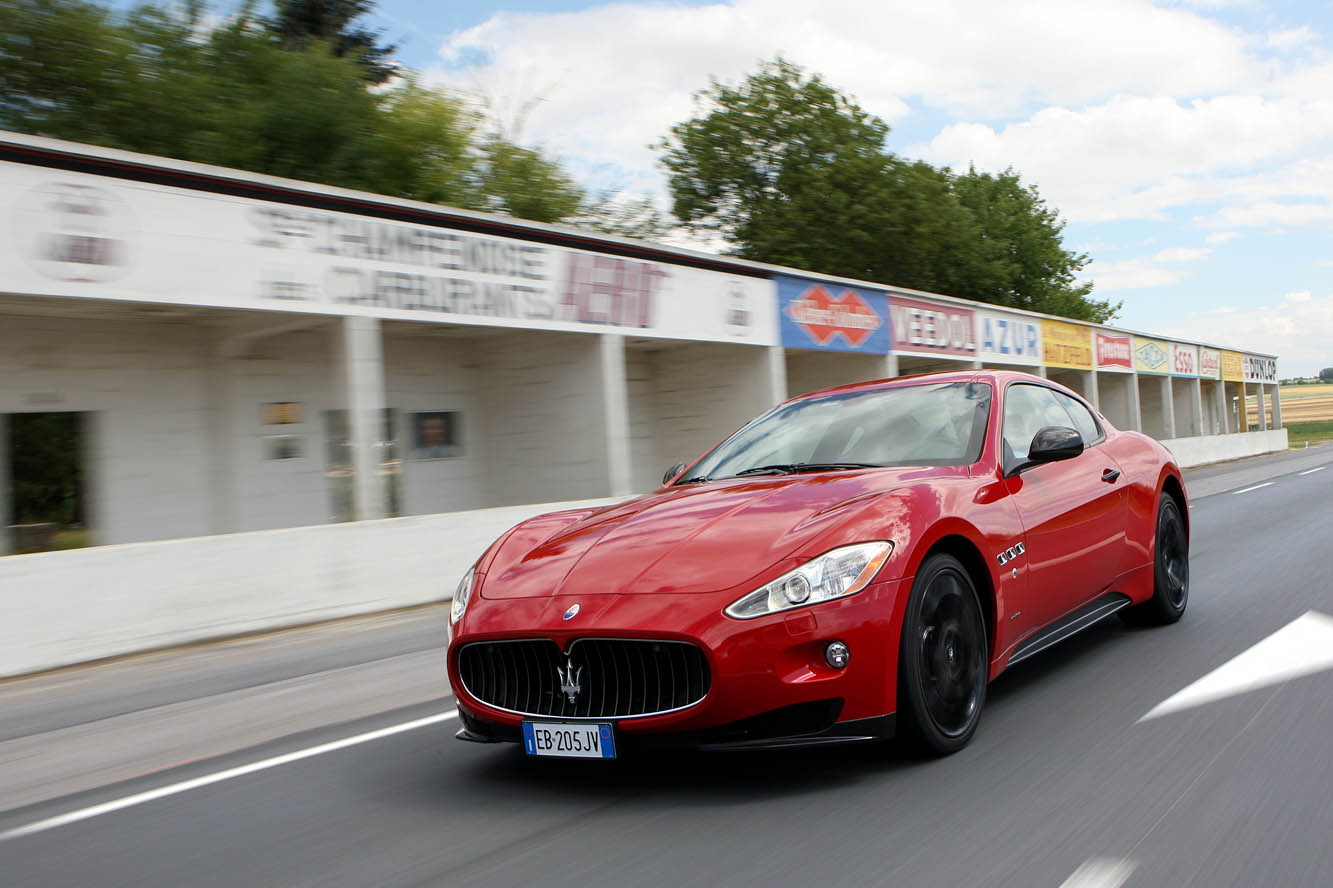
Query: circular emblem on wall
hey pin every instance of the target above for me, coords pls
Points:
(76, 232)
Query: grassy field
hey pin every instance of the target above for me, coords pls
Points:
(1299, 392)
(1314, 432)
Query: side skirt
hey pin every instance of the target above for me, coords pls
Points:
(1093, 612)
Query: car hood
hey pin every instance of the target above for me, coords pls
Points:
(690, 538)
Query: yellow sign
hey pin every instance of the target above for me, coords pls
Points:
(1066, 345)
(1233, 367)
(1152, 355)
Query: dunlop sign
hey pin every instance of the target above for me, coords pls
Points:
(1260, 369)
(1066, 345)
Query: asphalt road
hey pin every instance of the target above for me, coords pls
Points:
(1063, 784)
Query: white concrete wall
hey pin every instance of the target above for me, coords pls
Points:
(1185, 402)
(71, 607)
(427, 372)
(685, 397)
(543, 417)
(1153, 406)
(809, 371)
(1217, 448)
(145, 384)
(1116, 398)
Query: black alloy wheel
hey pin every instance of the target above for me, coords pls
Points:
(943, 664)
(1171, 570)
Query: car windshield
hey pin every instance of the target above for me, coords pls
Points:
(918, 425)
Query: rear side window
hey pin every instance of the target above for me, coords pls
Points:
(1082, 418)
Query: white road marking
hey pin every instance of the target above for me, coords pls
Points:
(208, 779)
(1255, 487)
(1312, 471)
(1100, 872)
(1302, 647)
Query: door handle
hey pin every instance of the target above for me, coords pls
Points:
(1110, 475)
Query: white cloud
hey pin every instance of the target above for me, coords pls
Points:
(1298, 329)
(1182, 254)
(1130, 274)
(1288, 38)
(1220, 237)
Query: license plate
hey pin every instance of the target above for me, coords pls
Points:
(569, 739)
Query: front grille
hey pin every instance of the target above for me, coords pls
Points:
(617, 678)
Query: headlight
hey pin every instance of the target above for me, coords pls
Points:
(461, 597)
(835, 574)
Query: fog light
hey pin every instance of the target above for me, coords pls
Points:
(837, 654)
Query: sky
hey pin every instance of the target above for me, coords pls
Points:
(1188, 144)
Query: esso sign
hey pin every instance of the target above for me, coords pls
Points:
(1184, 360)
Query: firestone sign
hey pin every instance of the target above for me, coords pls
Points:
(1114, 352)
(832, 317)
(932, 328)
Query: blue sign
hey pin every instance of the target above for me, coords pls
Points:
(834, 317)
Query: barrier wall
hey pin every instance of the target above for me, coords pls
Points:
(1219, 448)
(70, 607)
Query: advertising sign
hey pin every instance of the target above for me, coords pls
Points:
(1067, 345)
(1260, 369)
(832, 316)
(1114, 352)
(1233, 367)
(1210, 363)
(1152, 356)
(77, 235)
(1184, 360)
(932, 328)
(1008, 338)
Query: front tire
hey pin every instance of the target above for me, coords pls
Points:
(943, 662)
(1171, 570)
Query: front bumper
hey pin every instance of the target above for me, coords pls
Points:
(770, 685)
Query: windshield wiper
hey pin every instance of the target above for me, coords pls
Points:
(695, 480)
(794, 468)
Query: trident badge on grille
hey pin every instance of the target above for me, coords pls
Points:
(569, 680)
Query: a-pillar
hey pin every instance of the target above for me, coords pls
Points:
(1168, 407)
(6, 487)
(359, 359)
(615, 409)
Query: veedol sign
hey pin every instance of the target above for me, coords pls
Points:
(83, 235)
(932, 328)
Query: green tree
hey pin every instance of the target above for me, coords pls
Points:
(298, 24)
(789, 170)
(1326, 374)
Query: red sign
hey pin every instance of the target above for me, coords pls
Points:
(1114, 351)
(928, 327)
(824, 316)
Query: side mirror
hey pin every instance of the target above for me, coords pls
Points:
(1055, 443)
(674, 471)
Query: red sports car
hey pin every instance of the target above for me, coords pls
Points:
(856, 563)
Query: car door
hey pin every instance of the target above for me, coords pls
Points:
(1072, 511)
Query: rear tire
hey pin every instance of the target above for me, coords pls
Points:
(1171, 570)
(943, 659)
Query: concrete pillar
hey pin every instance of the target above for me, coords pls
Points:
(615, 410)
(1094, 396)
(890, 366)
(1041, 371)
(222, 445)
(1196, 394)
(1277, 407)
(1263, 412)
(1168, 407)
(1220, 405)
(777, 376)
(1136, 405)
(6, 488)
(360, 375)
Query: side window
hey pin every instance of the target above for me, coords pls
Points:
(1084, 421)
(1027, 410)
